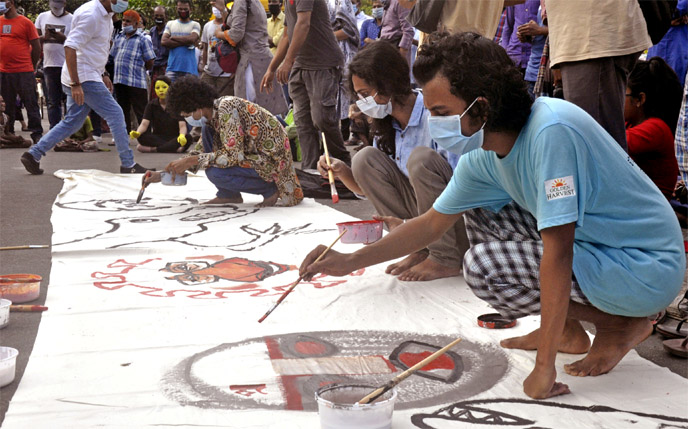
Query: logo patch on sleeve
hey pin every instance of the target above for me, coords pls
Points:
(560, 188)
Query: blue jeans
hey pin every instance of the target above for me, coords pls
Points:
(98, 98)
(174, 75)
(54, 94)
(230, 182)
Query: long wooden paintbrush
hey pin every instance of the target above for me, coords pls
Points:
(330, 174)
(401, 377)
(293, 285)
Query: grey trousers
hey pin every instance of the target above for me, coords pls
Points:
(598, 86)
(223, 85)
(314, 93)
(394, 194)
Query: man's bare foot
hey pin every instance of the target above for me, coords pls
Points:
(218, 200)
(428, 270)
(406, 263)
(269, 201)
(610, 346)
(574, 339)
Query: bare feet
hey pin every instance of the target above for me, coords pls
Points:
(610, 346)
(428, 270)
(574, 339)
(237, 200)
(406, 263)
(269, 201)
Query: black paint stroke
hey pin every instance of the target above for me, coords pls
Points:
(473, 412)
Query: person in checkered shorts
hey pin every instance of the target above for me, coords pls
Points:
(561, 221)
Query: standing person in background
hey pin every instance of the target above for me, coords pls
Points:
(534, 33)
(361, 17)
(87, 85)
(673, 47)
(248, 31)
(133, 55)
(20, 51)
(53, 27)
(310, 60)
(180, 37)
(370, 30)
(395, 28)
(517, 15)
(275, 24)
(212, 74)
(596, 43)
(161, 52)
(345, 31)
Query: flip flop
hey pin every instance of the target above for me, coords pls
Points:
(677, 347)
(673, 328)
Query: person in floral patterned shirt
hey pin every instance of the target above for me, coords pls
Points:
(244, 148)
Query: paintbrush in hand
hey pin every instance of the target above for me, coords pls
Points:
(293, 285)
(401, 377)
(330, 174)
(143, 186)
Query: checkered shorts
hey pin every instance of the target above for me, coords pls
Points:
(502, 266)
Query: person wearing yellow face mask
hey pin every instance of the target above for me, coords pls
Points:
(159, 131)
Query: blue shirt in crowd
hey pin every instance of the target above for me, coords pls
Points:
(130, 55)
(161, 52)
(536, 49)
(182, 58)
(416, 134)
(517, 15)
(370, 30)
(564, 167)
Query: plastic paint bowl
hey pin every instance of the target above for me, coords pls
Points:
(361, 231)
(179, 179)
(4, 312)
(8, 365)
(338, 409)
(20, 288)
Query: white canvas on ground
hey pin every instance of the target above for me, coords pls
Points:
(153, 322)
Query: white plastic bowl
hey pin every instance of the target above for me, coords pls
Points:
(8, 365)
(338, 409)
(361, 231)
(4, 312)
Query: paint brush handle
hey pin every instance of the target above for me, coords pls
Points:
(404, 375)
(291, 288)
(28, 308)
(28, 246)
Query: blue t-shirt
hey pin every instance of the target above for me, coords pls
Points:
(182, 58)
(564, 167)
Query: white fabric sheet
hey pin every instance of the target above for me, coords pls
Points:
(125, 344)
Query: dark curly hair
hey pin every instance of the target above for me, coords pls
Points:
(188, 93)
(477, 67)
(163, 78)
(662, 89)
(381, 65)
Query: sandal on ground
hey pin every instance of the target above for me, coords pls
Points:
(671, 327)
(677, 347)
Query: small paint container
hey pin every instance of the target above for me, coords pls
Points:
(8, 365)
(361, 231)
(495, 321)
(20, 288)
(4, 312)
(166, 179)
(338, 408)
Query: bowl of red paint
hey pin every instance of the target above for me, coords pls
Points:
(361, 231)
(20, 288)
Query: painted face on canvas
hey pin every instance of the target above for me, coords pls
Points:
(161, 89)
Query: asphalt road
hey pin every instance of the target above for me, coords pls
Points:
(25, 209)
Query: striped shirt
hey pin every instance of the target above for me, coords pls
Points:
(130, 54)
(681, 140)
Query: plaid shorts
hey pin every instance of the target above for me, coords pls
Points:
(502, 267)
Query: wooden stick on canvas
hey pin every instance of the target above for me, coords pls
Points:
(27, 246)
(330, 174)
(293, 285)
(401, 377)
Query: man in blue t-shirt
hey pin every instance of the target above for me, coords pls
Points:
(561, 222)
(180, 37)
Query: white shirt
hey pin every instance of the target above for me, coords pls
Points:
(361, 18)
(53, 52)
(90, 37)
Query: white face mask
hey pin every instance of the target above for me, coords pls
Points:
(446, 131)
(369, 107)
(217, 13)
(57, 10)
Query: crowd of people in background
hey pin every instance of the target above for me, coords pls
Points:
(416, 105)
